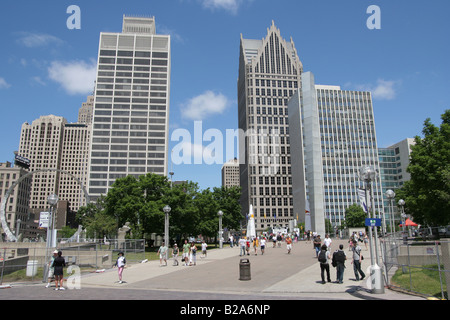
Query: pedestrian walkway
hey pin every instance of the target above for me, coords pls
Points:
(276, 272)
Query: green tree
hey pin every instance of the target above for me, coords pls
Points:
(96, 221)
(355, 217)
(427, 194)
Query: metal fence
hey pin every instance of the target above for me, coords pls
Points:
(89, 255)
(417, 266)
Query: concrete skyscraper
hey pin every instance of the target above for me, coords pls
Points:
(131, 108)
(269, 74)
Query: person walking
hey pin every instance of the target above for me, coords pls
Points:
(317, 243)
(175, 252)
(263, 244)
(327, 241)
(186, 249)
(255, 245)
(204, 246)
(120, 264)
(288, 244)
(324, 258)
(357, 258)
(242, 244)
(162, 254)
(247, 245)
(193, 254)
(51, 269)
(338, 261)
(59, 263)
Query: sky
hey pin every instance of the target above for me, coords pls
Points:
(48, 68)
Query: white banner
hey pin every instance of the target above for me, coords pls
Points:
(362, 199)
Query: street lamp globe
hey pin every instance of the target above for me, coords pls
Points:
(52, 199)
(401, 202)
(167, 209)
(390, 194)
(220, 213)
(367, 173)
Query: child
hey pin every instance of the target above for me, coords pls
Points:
(120, 264)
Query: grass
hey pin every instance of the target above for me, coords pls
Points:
(423, 279)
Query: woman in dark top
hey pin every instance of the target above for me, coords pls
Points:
(59, 263)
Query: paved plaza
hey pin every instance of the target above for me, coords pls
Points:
(276, 275)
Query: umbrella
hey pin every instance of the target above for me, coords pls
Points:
(409, 223)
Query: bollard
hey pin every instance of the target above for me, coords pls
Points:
(244, 270)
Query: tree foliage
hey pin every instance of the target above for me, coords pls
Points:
(355, 217)
(140, 201)
(427, 194)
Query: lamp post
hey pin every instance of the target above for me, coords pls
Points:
(401, 204)
(391, 195)
(52, 200)
(166, 210)
(220, 214)
(368, 174)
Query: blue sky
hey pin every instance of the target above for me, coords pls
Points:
(45, 68)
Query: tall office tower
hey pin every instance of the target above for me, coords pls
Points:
(269, 74)
(52, 143)
(131, 109)
(230, 173)
(75, 152)
(341, 122)
(86, 112)
(40, 142)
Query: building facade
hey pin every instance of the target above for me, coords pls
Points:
(339, 126)
(131, 108)
(230, 173)
(394, 161)
(17, 204)
(41, 143)
(52, 143)
(269, 75)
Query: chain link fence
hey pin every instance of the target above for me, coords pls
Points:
(417, 266)
(91, 256)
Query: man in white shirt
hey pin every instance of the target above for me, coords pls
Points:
(327, 241)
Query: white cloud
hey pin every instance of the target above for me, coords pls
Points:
(204, 105)
(76, 77)
(228, 5)
(4, 84)
(33, 40)
(383, 90)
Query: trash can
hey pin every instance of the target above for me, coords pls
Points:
(244, 270)
(32, 266)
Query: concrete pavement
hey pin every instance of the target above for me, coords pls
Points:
(276, 274)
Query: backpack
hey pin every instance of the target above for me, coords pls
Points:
(339, 257)
(323, 256)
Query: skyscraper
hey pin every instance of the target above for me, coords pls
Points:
(131, 108)
(269, 74)
(230, 173)
(333, 135)
(52, 143)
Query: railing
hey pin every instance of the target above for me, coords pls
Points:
(417, 266)
(89, 255)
